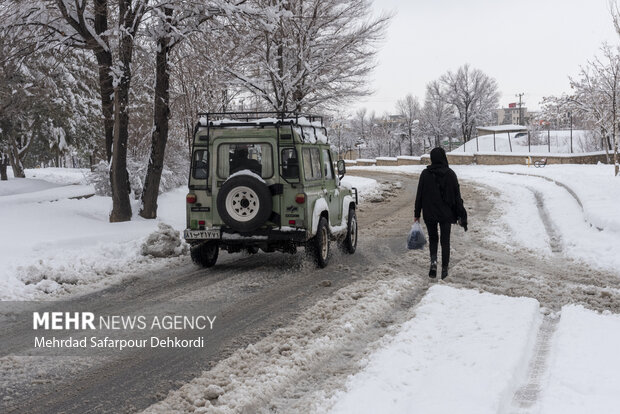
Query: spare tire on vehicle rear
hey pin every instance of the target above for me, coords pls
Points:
(244, 203)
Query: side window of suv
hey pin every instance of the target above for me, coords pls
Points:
(328, 166)
(290, 163)
(312, 164)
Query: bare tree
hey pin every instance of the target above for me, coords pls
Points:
(616, 18)
(89, 25)
(409, 109)
(171, 23)
(45, 100)
(305, 53)
(437, 115)
(474, 96)
(597, 94)
(360, 125)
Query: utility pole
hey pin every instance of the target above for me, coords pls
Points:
(570, 116)
(520, 95)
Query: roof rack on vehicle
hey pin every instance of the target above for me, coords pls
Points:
(262, 117)
(243, 119)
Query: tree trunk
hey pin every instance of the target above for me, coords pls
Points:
(106, 87)
(160, 133)
(3, 165)
(104, 60)
(410, 142)
(616, 160)
(15, 159)
(119, 178)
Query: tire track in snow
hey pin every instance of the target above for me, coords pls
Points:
(332, 368)
(555, 240)
(527, 395)
(559, 184)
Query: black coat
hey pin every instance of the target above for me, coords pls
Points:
(439, 195)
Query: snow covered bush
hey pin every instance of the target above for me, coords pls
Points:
(164, 242)
(100, 178)
(176, 166)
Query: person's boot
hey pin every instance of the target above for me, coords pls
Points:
(444, 272)
(433, 271)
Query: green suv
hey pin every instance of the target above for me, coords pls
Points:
(266, 181)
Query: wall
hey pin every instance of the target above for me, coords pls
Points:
(490, 159)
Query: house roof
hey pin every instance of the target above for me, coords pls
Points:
(503, 128)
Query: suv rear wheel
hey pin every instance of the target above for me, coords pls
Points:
(319, 244)
(205, 254)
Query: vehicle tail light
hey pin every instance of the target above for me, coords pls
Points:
(190, 198)
(300, 198)
(291, 222)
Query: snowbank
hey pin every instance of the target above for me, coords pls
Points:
(38, 179)
(55, 244)
(64, 176)
(363, 185)
(463, 352)
(164, 242)
(583, 374)
(580, 203)
(594, 185)
(582, 211)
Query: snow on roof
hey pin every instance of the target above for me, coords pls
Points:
(301, 121)
(312, 135)
(503, 128)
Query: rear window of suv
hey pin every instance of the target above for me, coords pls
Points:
(232, 158)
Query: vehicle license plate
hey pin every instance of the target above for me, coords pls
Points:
(202, 234)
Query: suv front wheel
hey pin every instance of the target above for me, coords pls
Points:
(350, 242)
(320, 244)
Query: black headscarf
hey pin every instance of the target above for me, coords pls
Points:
(444, 177)
(438, 156)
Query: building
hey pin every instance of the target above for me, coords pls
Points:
(511, 115)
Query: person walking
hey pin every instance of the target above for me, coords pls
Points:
(439, 198)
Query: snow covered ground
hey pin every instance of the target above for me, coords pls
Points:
(367, 188)
(457, 350)
(583, 373)
(464, 351)
(560, 209)
(461, 350)
(54, 243)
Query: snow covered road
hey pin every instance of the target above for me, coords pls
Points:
(294, 339)
(259, 379)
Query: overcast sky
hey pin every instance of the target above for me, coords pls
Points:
(528, 46)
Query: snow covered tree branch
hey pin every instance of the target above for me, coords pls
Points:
(474, 96)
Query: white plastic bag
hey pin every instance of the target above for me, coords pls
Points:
(416, 239)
